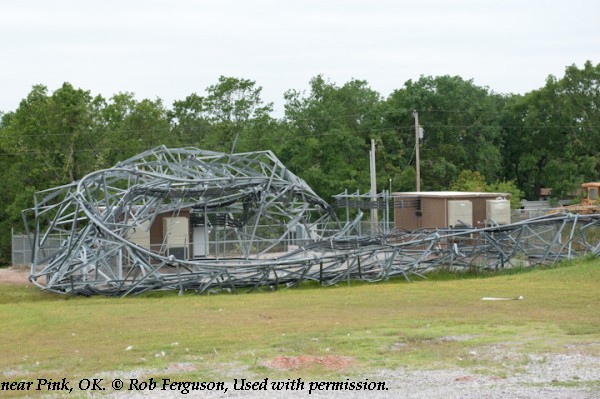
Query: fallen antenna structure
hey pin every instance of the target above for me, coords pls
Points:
(187, 219)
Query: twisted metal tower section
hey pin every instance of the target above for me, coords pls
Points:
(187, 219)
(250, 203)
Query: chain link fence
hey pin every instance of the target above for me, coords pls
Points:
(21, 248)
(21, 243)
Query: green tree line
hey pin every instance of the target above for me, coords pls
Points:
(474, 137)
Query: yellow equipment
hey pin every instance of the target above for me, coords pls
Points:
(589, 201)
(590, 194)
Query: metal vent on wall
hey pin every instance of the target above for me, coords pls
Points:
(177, 252)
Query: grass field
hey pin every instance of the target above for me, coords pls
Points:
(435, 323)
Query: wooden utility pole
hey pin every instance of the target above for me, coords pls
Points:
(418, 159)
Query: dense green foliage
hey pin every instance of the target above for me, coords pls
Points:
(474, 138)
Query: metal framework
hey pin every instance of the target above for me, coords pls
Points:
(249, 223)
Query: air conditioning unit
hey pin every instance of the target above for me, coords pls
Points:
(460, 213)
(139, 234)
(497, 212)
(176, 236)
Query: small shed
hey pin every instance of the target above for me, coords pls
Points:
(450, 209)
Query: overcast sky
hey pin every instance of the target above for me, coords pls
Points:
(172, 48)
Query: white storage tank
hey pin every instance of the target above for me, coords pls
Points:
(460, 213)
(497, 211)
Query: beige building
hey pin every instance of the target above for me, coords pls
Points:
(444, 209)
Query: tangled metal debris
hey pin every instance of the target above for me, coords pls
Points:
(187, 219)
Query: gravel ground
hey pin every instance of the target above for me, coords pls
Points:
(552, 376)
(14, 275)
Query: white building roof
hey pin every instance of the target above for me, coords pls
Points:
(449, 194)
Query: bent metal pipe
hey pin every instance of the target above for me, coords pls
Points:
(249, 223)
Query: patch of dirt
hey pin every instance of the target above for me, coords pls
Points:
(180, 367)
(304, 361)
(14, 275)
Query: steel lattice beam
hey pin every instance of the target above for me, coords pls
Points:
(268, 228)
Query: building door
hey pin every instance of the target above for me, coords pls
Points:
(200, 241)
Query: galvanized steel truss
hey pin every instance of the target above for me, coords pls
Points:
(275, 232)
